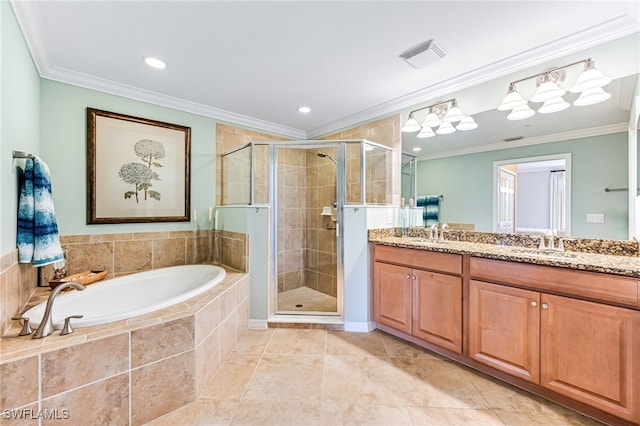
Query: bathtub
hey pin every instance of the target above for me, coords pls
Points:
(130, 295)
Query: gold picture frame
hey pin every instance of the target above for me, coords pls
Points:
(137, 169)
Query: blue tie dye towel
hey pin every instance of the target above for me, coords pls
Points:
(38, 240)
(431, 209)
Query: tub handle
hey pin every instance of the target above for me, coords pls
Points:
(26, 327)
(67, 329)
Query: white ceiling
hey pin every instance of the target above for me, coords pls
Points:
(254, 63)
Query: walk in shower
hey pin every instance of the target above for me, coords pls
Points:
(306, 184)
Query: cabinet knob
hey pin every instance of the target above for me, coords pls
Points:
(534, 303)
(545, 306)
(414, 277)
(408, 276)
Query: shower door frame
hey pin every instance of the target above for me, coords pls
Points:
(340, 200)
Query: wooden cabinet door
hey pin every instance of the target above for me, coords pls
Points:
(591, 353)
(392, 296)
(437, 309)
(504, 329)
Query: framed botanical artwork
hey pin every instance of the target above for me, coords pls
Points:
(137, 169)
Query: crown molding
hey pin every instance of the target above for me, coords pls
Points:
(108, 86)
(613, 29)
(557, 137)
(29, 21)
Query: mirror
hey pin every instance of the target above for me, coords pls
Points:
(532, 195)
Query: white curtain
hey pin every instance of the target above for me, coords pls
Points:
(557, 202)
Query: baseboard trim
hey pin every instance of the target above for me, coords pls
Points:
(258, 324)
(359, 327)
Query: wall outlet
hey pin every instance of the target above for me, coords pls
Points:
(595, 217)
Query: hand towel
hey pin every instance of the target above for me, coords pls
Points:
(431, 209)
(37, 238)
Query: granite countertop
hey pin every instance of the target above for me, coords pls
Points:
(619, 265)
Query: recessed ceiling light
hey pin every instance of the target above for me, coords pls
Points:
(154, 62)
(304, 109)
(417, 149)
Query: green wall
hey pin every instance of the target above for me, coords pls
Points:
(596, 163)
(19, 118)
(63, 147)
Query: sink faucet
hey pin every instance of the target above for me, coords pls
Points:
(550, 245)
(46, 324)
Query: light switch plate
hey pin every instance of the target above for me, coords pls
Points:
(595, 217)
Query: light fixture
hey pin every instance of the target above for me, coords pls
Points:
(520, 113)
(304, 109)
(554, 105)
(445, 128)
(467, 123)
(416, 149)
(431, 120)
(512, 99)
(592, 96)
(590, 78)
(155, 62)
(547, 89)
(411, 125)
(425, 132)
(550, 92)
(440, 115)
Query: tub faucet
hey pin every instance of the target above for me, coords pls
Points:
(46, 324)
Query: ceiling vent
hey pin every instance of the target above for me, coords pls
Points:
(514, 138)
(423, 54)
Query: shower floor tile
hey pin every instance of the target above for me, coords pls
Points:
(310, 299)
(356, 379)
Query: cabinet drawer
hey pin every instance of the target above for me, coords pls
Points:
(444, 262)
(592, 285)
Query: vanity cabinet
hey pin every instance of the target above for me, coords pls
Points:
(504, 329)
(419, 293)
(585, 350)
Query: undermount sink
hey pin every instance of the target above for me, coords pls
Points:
(542, 253)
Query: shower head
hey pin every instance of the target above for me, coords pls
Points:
(323, 155)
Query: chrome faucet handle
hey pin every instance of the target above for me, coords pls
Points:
(26, 326)
(443, 228)
(542, 245)
(560, 244)
(67, 329)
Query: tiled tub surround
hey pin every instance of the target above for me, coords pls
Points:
(129, 371)
(17, 283)
(127, 253)
(612, 264)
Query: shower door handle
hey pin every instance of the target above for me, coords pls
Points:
(337, 229)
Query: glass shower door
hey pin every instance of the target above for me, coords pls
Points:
(306, 217)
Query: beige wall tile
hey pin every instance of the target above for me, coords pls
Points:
(154, 392)
(228, 335)
(102, 403)
(160, 341)
(207, 361)
(207, 319)
(84, 257)
(98, 238)
(169, 252)
(228, 302)
(4, 316)
(242, 319)
(84, 364)
(132, 256)
(19, 383)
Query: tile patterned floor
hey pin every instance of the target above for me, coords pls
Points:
(310, 299)
(318, 377)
